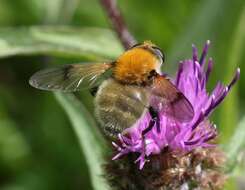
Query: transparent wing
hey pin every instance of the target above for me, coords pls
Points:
(166, 97)
(69, 78)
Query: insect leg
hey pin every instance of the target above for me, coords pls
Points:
(150, 126)
(154, 120)
(144, 132)
(155, 117)
(93, 90)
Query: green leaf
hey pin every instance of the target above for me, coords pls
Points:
(231, 184)
(91, 141)
(234, 147)
(93, 43)
(14, 150)
(229, 112)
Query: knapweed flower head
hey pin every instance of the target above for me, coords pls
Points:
(175, 137)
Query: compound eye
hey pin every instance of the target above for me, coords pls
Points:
(159, 53)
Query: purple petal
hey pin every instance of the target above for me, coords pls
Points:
(204, 52)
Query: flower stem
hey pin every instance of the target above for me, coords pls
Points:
(118, 23)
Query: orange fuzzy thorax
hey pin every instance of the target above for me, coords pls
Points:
(134, 66)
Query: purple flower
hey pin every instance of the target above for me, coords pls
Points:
(179, 138)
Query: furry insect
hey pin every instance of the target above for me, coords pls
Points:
(124, 89)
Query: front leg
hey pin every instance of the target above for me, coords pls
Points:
(93, 91)
(154, 120)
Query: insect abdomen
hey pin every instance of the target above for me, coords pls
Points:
(117, 106)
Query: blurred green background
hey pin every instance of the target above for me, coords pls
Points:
(38, 146)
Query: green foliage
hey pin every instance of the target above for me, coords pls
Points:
(91, 141)
(229, 110)
(235, 147)
(62, 41)
(13, 147)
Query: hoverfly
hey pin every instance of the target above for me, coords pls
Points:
(133, 86)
